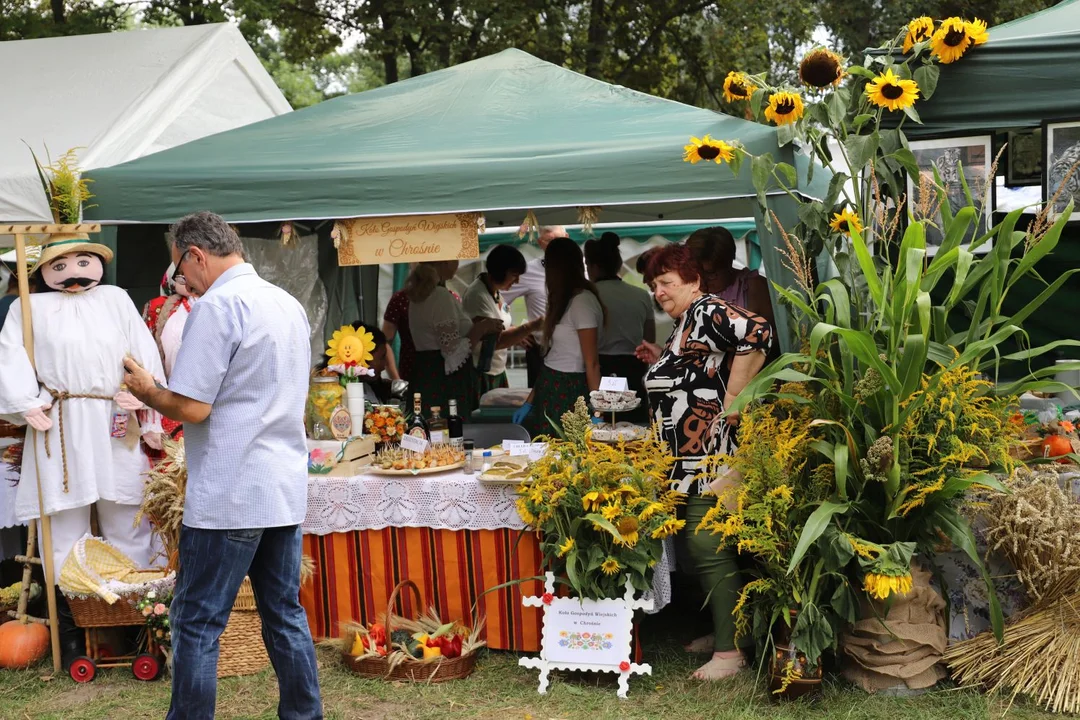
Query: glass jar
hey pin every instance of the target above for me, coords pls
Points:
(324, 396)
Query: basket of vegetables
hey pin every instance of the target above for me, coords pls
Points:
(423, 649)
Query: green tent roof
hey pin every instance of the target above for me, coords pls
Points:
(1024, 74)
(503, 133)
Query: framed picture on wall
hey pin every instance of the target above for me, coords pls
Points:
(950, 157)
(1062, 165)
(1024, 158)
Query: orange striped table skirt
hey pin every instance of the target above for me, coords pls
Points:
(355, 572)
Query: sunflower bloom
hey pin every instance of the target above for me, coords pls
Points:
(610, 566)
(846, 221)
(784, 108)
(919, 30)
(737, 86)
(592, 500)
(706, 149)
(566, 547)
(628, 528)
(821, 68)
(668, 528)
(880, 587)
(889, 91)
(977, 30)
(952, 39)
(610, 512)
(651, 509)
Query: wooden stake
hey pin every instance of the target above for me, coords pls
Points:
(46, 521)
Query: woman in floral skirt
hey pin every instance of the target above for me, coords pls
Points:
(572, 327)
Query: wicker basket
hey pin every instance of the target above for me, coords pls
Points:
(242, 649)
(92, 611)
(432, 671)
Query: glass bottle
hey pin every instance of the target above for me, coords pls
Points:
(454, 427)
(119, 418)
(418, 426)
(437, 425)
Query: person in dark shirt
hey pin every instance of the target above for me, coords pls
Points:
(377, 384)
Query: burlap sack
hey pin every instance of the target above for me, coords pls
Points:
(906, 648)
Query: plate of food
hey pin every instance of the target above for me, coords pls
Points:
(396, 461)
(513, 470)
(619, 432)
(614, 400)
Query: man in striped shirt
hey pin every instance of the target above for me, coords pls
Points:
(239, 386)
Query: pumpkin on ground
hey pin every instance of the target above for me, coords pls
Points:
(22, 644)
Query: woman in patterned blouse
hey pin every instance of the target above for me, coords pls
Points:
(713, 352)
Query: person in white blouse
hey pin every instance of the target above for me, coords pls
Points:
(626, 329)
(573, 328)
(483, 299)
(444, 337)
(532, 286)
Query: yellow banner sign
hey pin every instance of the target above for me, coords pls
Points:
(407, 238)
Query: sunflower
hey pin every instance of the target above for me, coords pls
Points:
(610, 512)
(889, 91)
(651, 509)
(821, 68)
(737, 86)
(919, 30)
(610, 566)
(953, 38)
(881, 586)
(668, 528)
(977, 30)
(566, 547)
(628, 528)
(350, 347)
(707, 149)
(592, 500)
(784, 108)
(845, 222)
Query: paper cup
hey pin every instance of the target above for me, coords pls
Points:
(354, 390)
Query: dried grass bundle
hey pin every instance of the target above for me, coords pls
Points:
(1039, 657)
(163, 498)
(1037, 527)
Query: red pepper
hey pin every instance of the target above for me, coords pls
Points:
(450, 646)
(378, 633)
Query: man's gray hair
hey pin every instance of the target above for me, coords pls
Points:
(206, 231)
(553, 231)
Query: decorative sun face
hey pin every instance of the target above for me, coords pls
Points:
(350, 347)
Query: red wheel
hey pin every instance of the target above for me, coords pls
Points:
(82, 669)
(146, 667)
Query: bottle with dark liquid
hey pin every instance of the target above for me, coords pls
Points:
(454, 427)
(437, 426)
(418, 426)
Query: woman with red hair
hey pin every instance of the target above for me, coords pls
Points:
(713, 352)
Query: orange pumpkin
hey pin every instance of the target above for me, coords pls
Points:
(1056, 446)
(22, 645)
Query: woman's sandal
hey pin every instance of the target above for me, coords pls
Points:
(720, 668)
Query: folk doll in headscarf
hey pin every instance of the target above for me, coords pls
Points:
(165, 316)
(83, 435)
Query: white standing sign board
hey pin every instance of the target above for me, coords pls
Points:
(587, 635)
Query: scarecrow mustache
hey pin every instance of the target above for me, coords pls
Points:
(80, 281)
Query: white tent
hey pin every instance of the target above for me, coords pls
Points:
(119, 96)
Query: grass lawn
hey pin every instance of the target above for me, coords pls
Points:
(498, 689)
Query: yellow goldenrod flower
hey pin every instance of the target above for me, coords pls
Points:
(781, 491)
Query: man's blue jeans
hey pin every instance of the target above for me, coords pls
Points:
(213, 564)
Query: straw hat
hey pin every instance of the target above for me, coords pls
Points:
(69, 243)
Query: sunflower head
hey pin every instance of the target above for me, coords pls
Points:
(628, 528)
(881, 586)
(821, 68)
(737, 86)
(919, 30)
(610, 566)
(951, 40)
(977, 30)
(566, 547)
(845, 222)
(784, 108)
(350, 347)
(707, 149)
(889, 91)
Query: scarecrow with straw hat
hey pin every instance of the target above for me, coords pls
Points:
(83, 442)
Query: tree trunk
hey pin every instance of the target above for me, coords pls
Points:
(596, 43)
(59, 12)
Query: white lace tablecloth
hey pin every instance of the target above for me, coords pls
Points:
(443, 501)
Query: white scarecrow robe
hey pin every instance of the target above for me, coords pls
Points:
(80, 341)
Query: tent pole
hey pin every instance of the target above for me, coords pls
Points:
(46, 521)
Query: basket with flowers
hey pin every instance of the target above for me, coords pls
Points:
(603, 510)
(154, 607)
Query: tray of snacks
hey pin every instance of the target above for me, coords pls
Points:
(614, 400)
(619, 432)
(512, 470)
(396, 461)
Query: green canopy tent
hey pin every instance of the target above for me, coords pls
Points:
(500, 135)
(1023, 75)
